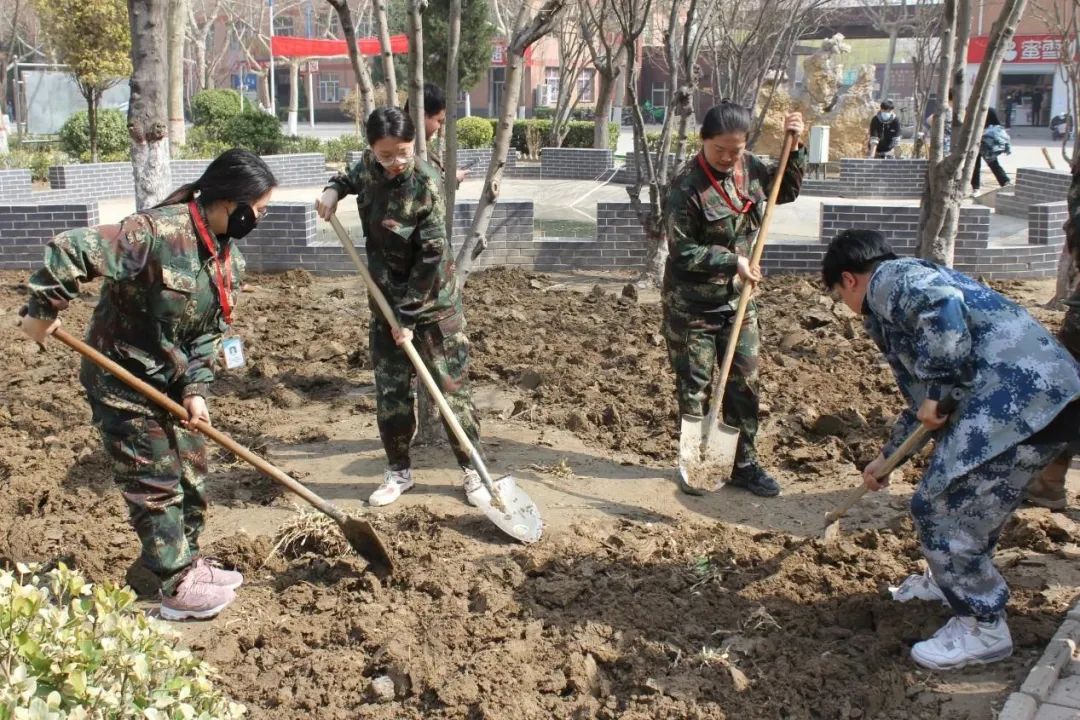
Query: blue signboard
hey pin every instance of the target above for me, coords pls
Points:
(251, 81)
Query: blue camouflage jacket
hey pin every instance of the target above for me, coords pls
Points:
(940, 329)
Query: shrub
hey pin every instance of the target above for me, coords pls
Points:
(37, 157)
(70, 646)
(256, 131)
(296, 144)
(213, 108)
(338, 147)
(112, 134)
(543, 113)
(578, 135)
(693, 143)
(474, 132)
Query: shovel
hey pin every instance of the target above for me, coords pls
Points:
(361, 536)
(707, 445)
(508, 506)
(945, 407)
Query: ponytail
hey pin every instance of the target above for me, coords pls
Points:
(181, 195)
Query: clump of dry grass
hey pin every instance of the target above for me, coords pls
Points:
(310, 532)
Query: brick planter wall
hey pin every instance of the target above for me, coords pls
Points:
(307, 169)
(576, 163)
(1032, 187)
(1045, 221)
(97, 181)
(865, 178)
(26, 228)
(464, 156)
(15, 184)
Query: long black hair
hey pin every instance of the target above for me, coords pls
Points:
(387, 122)
(235, 174)
(727, 117)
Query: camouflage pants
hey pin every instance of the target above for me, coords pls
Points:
(160, 468)
(959, 528)
(696, 346)
(444, 347)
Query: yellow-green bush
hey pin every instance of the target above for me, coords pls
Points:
(70, 650)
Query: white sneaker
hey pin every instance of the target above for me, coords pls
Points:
(475, 492)
(394, 483)
(918, 587)
(964, 641)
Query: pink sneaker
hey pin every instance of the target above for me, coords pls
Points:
(210, 571)
(195, 599)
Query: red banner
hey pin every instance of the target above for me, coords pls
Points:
(1021, 49)
(297, 47)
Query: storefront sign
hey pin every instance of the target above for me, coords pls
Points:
(1021, 49)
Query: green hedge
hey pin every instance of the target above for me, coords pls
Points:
(256, 131)
(579, 135)
(474, 132)
(114, 142)
(211, 109)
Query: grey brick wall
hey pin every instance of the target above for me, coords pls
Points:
(307, 169)
(900, 224)
(865, 178)
(26, 228)
(93, 180)
(1045, 221)
(1032, 187)
(576, 163)
(15, 184)
(464, 156)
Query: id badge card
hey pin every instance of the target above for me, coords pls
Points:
(233, 348)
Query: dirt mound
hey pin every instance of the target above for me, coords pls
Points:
(625, 620)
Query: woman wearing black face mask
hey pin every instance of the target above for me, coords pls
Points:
(170, 280)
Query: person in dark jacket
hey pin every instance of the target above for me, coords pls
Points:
(994, 143)
(884, 131)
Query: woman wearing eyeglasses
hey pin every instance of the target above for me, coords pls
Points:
(403, 216)
(171, 275)
(714, 208)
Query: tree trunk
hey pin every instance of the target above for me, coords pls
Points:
(148, 108)
(177, 23)
(416, 73)
(603, 107)
(91, 121)
(450, 129)
(1066, 278)
(894, 33)
(948, 176)
(359, 65)
(294, 95)
(386, 53)
(201, 70)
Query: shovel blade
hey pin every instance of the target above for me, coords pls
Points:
(367, 543)
(706, 454)
(511, 509)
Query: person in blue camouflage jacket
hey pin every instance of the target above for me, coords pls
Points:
(404, 220)
(713, 211)
(171, 275)
(940, 331)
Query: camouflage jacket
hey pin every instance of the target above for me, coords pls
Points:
(705, 236)
(159, 314)
(940, 329)
(405, 234)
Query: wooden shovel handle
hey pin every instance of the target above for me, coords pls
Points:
(748, 288)
(945, 407)
(178, 410)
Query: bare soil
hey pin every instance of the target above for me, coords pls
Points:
(640, 602)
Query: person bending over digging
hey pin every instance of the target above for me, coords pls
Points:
(434, 119)
(941, 330)
(715, 206)
(403, 216)
(171, 278)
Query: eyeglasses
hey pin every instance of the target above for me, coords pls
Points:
(392, 160)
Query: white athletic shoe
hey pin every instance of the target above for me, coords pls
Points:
(918, 587)
(964, 641)
(475, 492)
(394, 483)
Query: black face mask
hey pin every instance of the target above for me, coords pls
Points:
(242, 220)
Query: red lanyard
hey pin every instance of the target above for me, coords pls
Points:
(747, 202)
(223, 279)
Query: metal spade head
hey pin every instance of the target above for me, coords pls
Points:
(365, 541)
(511, 509)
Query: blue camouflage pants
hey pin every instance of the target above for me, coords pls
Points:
(959, 528)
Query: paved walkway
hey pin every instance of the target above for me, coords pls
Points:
(1051, 690)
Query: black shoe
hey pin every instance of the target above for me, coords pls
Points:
(754, 478)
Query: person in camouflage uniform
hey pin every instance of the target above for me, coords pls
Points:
(403, 217)
(1047, 488)
(434, 119)
(169, 289)
(713, 209)
(1020, 404)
